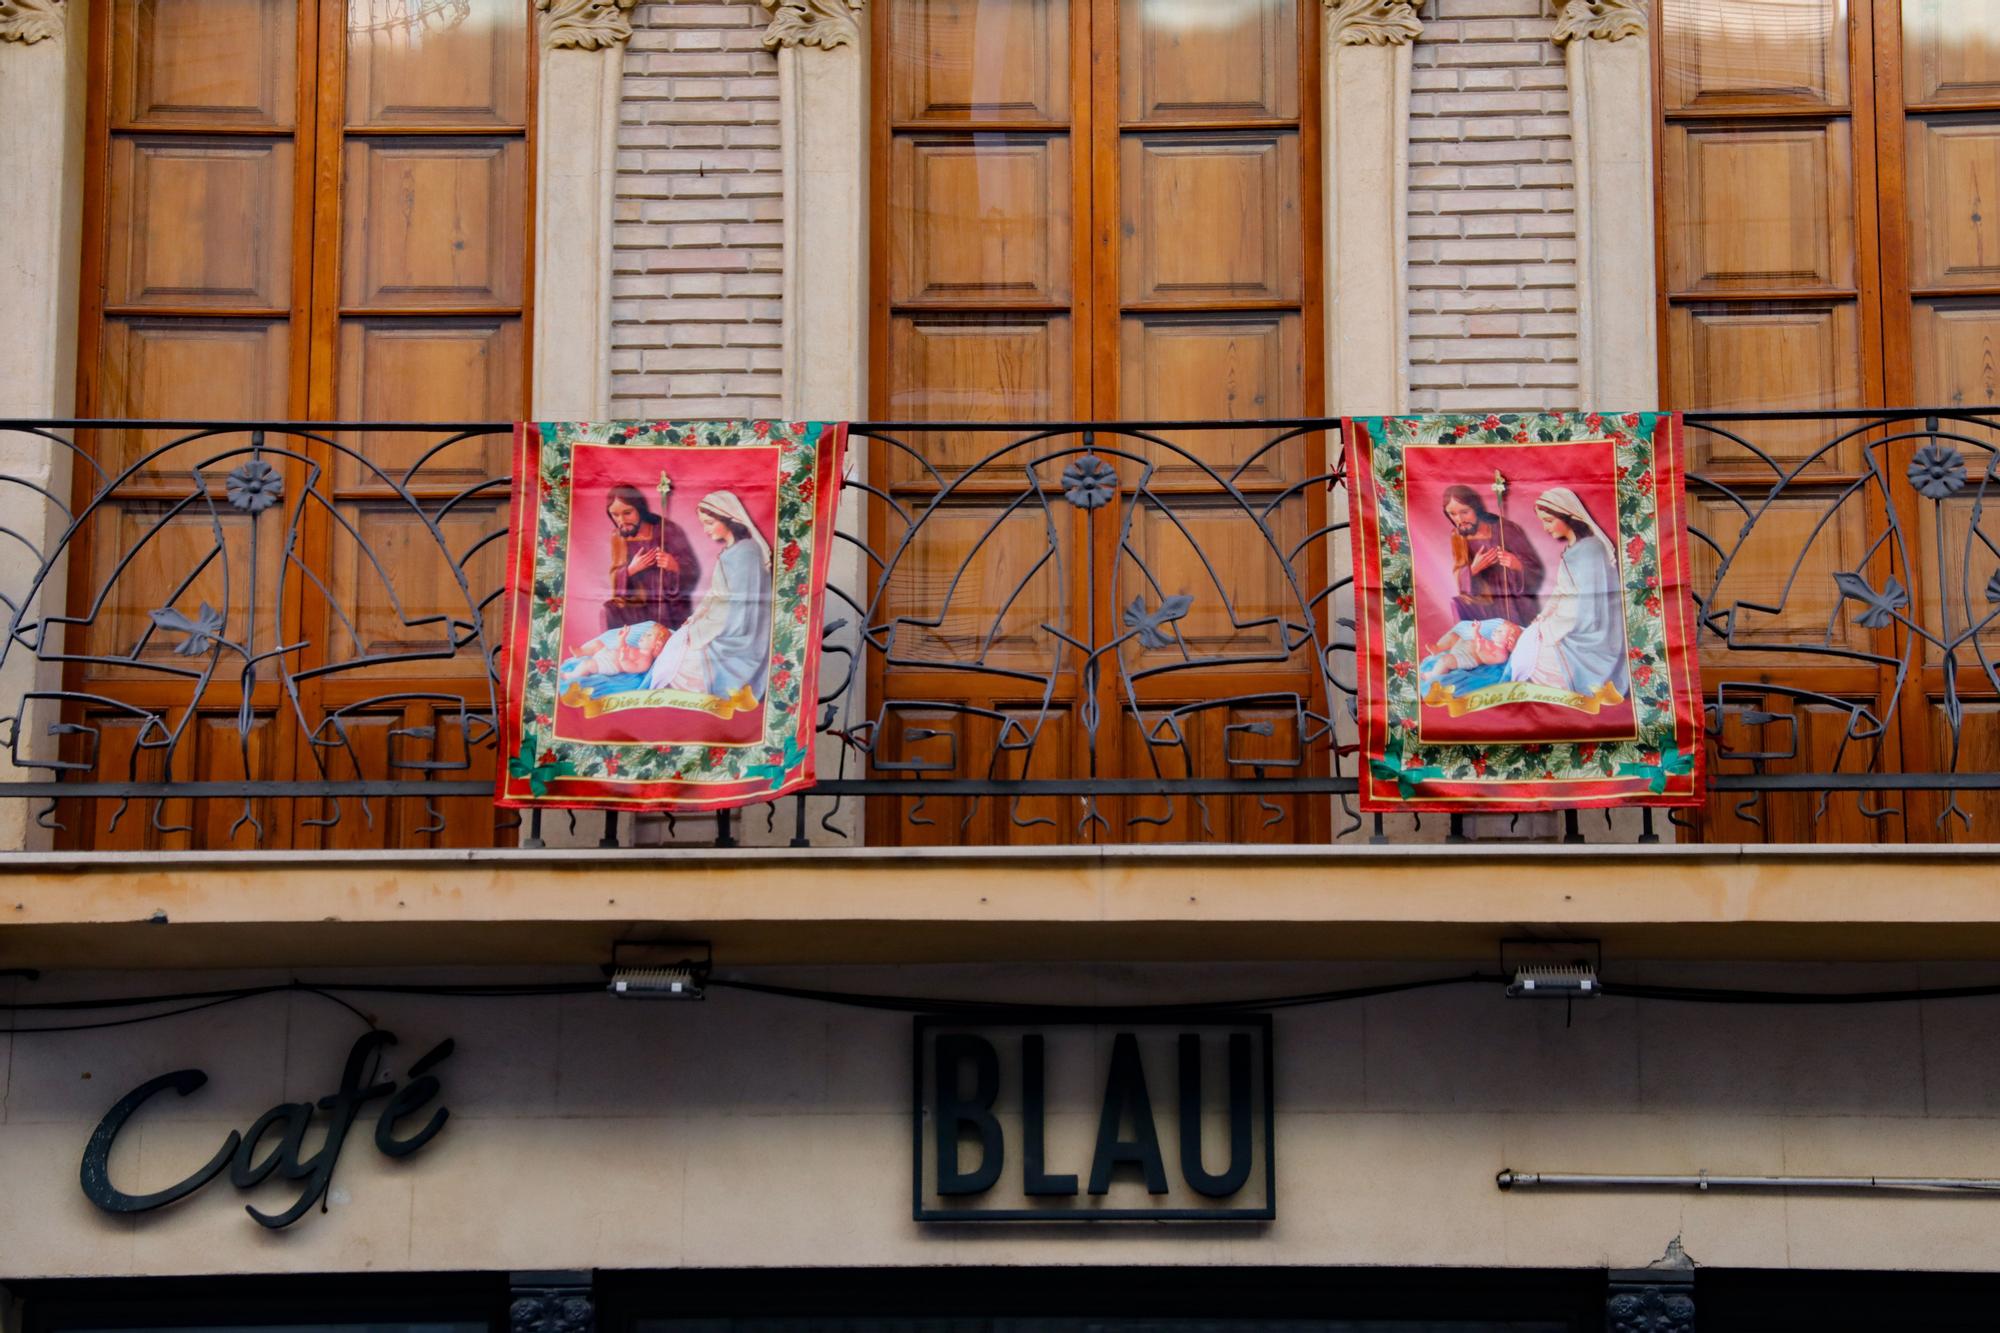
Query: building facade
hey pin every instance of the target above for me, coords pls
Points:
(1080, 992)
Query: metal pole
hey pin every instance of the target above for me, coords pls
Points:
(1703, 1180)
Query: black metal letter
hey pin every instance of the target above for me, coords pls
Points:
(1125, 1091)
(423, 1086)
(1034, 1107)
(246, 1172)
(955, 1112)
(97, 1186)
(345, 1105)
(1230, 1181)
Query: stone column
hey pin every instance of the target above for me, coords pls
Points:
(822, 48)
(582, 75)
(1367, 136)
(1611, 110)
(42, 78)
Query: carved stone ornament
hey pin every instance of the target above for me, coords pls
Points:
(1596, 20)
(1374, 22)
(822, 23)
(30, 20)
(584, 25)
(551, 1310)
(1649, 1310)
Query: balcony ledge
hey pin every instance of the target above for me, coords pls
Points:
(815, 905)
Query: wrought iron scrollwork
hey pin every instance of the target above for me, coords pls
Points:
(1098, 630)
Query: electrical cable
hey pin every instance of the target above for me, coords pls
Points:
(189, 1002)
(993, 1008)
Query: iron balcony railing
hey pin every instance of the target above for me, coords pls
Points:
(1067, 631)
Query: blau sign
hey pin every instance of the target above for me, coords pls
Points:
(1093, 1120)
(239, 1151)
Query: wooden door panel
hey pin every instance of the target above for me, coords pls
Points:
(200, 222)
(402, 369)
(186, 370)
(1201, 742)
(1977, 750)
(393, 581)
(1789, 533)
(1204, 62)
(1757, 356)
(1737, 53)
(1177, 367)
(1953, 598)
(1210, 217)
(461, 63)
(424, 740)
(974, 367)
(1954, 183)
(1759, 207)
(1819, 740)
(980, 60)
(1022, 742)
(210, 749)
(212, 62)
(432, 222)
(1210, 551)
(993, 577)
(207, 549)
(1956, 351)
(984, 220)
(1950, 53)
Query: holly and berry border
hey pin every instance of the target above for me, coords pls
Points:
(1663, 765)
(538, 768)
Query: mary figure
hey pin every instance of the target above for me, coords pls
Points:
(724, 648)
(1577, 643)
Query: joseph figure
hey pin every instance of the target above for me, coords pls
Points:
(653, 565)
(1499, 572)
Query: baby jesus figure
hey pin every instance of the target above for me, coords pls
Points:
(615, 660)
(1465, 646)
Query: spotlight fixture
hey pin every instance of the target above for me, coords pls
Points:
(1555, 981)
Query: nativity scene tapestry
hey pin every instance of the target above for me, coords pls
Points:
(667, 591)
(1524, 634)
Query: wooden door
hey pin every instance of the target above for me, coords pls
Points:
(1939, 128)
(304, 210)
(1092, 210)
(1826, 244)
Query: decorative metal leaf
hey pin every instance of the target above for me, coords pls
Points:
(1993, 587)
(1148, 623)
(1089, 482)
(1937, 470)
(1882, 606)
(201, 631)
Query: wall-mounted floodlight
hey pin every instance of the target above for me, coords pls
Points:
(1557, 981)
(656, 983)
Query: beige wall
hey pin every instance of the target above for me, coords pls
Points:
(588, 1132)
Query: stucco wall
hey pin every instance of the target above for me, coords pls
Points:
(699, 217)
(741, 1130)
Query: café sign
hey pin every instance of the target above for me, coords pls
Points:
(288, 1122)
(1093, 1120)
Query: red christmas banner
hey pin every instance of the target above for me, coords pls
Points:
(1524, 634)
(666, 595)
